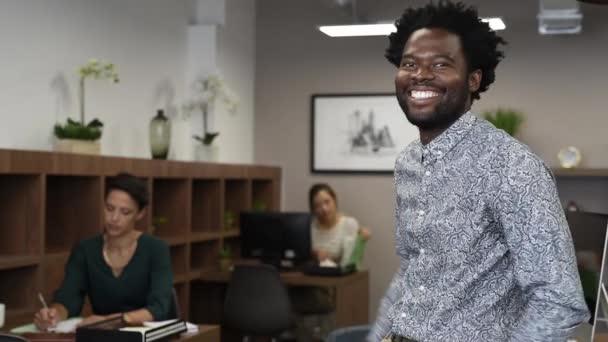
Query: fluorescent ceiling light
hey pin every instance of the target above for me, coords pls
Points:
(358, 30)
(496, 24)
(385, 29)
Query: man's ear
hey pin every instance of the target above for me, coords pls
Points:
(474, 80)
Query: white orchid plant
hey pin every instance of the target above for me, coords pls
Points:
(98, 70)
(206, 92)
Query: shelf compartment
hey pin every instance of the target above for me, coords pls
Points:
(236, 199)
(19, 288)
(179, 260)
(73, 210)
(22, 212)
(170, 202)
(204, 255)
(206, 205)
(53, 271)
(12, 262)
(262, 195)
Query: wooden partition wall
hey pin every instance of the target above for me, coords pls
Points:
(49, 201)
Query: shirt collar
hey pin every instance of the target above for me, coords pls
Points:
(449, 138)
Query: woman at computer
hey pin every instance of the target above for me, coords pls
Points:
(124, 272)
(332, 233)
(331, 230)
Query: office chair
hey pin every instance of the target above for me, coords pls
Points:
(256, 302)
(174, 308)
(11, 338)
(355, 333)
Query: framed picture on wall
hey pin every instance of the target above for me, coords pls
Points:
(357, 133)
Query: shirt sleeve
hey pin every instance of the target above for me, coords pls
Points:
(541, 248)
(73, 289)
(161, 283)
(382, 325)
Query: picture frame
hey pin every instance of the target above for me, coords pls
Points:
(357, 133)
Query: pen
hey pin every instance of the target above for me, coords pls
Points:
(42, 301)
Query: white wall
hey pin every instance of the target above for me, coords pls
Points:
(236, 61)
(45, 41)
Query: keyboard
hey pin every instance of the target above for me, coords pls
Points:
(315, 269)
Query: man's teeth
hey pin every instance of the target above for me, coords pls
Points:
(423, 94)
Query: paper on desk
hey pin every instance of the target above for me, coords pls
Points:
(154, 324)
(67, 326)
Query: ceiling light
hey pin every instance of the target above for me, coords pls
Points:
(496, 24)
(359, 30)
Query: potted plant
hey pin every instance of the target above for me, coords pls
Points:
(81, 136)
(228, 220)
(225, 257)
(508, 120)
(205, 93)
(259, 205)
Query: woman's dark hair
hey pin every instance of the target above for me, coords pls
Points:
(315, 189)
(479, 42)
(130, 184)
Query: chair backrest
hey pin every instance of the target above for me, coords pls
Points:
(355, 333)
(11, 338)
(256, 302)
(174, 309)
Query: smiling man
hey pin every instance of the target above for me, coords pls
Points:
(486, 253)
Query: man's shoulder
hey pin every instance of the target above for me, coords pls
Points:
(508, 153)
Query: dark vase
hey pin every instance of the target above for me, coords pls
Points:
(160, 135)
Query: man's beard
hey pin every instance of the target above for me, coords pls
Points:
(446, 113)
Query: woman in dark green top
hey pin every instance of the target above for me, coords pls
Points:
(123, 271)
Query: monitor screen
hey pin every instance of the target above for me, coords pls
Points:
(275, 237)
(296, 236)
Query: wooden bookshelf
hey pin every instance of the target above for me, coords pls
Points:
(580, 172)
(50, 201)
(587, 188)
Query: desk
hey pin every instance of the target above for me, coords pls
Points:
(206, 333)
(352, 293)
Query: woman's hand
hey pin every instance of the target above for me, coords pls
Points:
(91, 319)
(46, 318)
(322, 255)
(365, 233)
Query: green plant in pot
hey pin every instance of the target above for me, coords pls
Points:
(259, 205)
(508, 120)
(229, 220)
(225, 257)
(82, 136)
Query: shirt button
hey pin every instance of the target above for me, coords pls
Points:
(421, 212)
(428, 173)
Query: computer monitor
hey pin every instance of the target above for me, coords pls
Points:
(261, 236)
(296, 237)
(278, 238)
